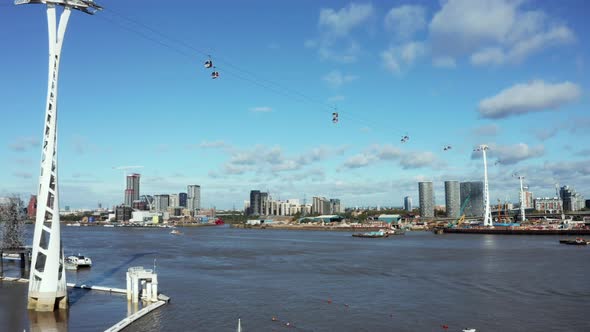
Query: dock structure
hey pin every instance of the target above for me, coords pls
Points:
(132, 318)
(157, 300)
(22, 254)
(146, 279)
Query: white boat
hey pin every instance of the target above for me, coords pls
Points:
(239, 325)
(71, 266)
(79, 261)
(469, 330)
(175, 232)
(11, 257)
(109, 225)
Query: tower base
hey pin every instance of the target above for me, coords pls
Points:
(49, 302)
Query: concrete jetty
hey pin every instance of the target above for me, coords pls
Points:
(130, 319)
(141, 284)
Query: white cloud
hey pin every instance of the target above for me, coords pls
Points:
(336, 98)
(341, 22)
(24, 143)
(335, 26)
(444, 62)
(404, 55)
(310, 43)
(386, 152)
(336, 79)
(23, 175)
(261, 109)
(390, 60)
(377, 153)
(340, 52)
(411, 51)
(418, 160)
(511, 154)
(535, 96)
(359, 160)
(271, 160)
(405, 21)
(544, 134)
(569, 168)
(213, 144)
(494, 32)
(486, 130)
(491, 55)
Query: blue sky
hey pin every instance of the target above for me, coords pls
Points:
(133, 91)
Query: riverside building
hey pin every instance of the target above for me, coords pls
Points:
(426, 198)
(452, 199)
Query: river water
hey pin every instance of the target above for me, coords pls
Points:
(323, 281)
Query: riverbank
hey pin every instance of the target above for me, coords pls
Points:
(516, 231)
(310, 228)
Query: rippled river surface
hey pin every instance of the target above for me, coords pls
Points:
(322, 281)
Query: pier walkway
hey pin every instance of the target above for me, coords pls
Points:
(162, 300)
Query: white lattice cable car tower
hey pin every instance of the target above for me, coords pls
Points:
(487, 215)
(47, 284)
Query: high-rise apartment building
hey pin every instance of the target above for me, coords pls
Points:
(426, 198)
(335, 206)
(528, 200)
(408, 203)
(572, 201)
(193, 197)
(255, 203)
(472, 192)
(161, 202)
(182, 199)
(321, 205)
(174, 200)
(132, 190)
(452, 199)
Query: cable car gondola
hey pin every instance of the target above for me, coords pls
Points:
(209, 63)
(214, 74)
(335, 117)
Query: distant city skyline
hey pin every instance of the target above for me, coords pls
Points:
(388, 74)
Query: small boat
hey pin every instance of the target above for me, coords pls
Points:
(239, 325)
(175, 232)
(577, 242)
(79, 261)
(109, 225)
(469, 330)
(71, 266)
(377, 234)
(396, 231)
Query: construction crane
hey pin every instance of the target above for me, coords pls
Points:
(461, 219)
